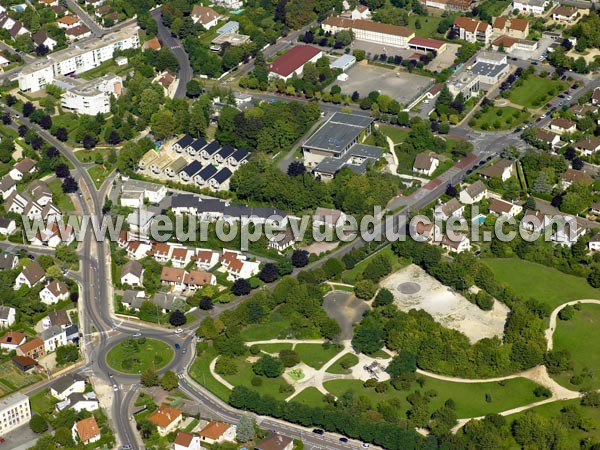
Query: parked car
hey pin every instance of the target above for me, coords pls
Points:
(343, 439)
(177, 346)
(318, 431)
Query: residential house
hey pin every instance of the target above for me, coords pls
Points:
(30, 276)
(174, 277)
(564, 14)
(16, 202)
(181, 256)
(152, 44)
(239, 157)
(548, 138)
(533, 221)
(207, 17)
(360, 12)
(207, 151)
(169, 81)
(206, 259)
(218, 432)
(133, 299)
(7, 186)
(503, 169)
(8, 261)
(58, 318)
(595, 98)
(42, 38)
(176, 166)
(473, 193)
(594, 243)
(166, 419)
(167, 302)
(581, 111)
(462, 244)
(22, 168)
(132, 274)
(199, 278)
(472, 30)
(190, 171)
(282, 241)
(562, 125)
(86, 431)
(515, 28)
(535, 7)
(67, 385)
(569, 233)
(53, 338)
(183, 143)
(140, 221)
(205, 175)
(575, 176)
(8, 316)
(12, 339)
(34, 348)
(503, 208)
(7, 226)
(186, 441)
(237, 266)
(425, 164)
(328, 217)
(54, 292)
(24, 363)
(153, 192)
(275, 441)
(78, 32)
(54, 234)
(79, 402)
(450, 209)
(161, 252)
(425, 231)
(588, 145)
(220, 181)
(68, 22)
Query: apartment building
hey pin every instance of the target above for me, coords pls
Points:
(94, 96)
(14, 412)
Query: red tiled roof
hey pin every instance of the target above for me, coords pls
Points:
(291, 61)
(369, 25)
(426, 42)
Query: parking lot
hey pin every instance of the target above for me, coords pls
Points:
(401, 86)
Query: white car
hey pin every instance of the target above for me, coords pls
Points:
(178, 331)
(115, 387)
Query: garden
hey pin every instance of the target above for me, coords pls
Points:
(139, 355)
(493, 118)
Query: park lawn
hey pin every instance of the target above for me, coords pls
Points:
(200, 372)
(381, 354)
(150, 354)
(470, 398)
(41, 402)
(316, 355)
(264, 331)
(536, 91)
(59, 198)
(543, 283)
(273, 348)
(499, 118)
(349, 276)
(396, 134)
(106, 67)
(429, 25)
(310, 396)
(244, 376)
(98, 174)
(579, 336)
(337, 368)
(340, 287)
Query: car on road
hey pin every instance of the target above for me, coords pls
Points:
(31, 257)
(184, 350)
(178, 331)
(574, 86)
(115, 387)
(365, 445)
(561, 96)
(138, 334)
(318, 431)
(343, 439)
(517, 130)
(126, 447)
(177, 346)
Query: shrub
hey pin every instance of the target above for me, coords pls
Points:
(566, 313)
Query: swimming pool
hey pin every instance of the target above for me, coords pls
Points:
(479, 219)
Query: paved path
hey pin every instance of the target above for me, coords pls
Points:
(550, 331)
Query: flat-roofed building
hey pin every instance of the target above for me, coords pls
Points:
(370, 31)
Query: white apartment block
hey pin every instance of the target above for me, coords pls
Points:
(14, 412)
(370, 31)
(76, 59)
(93, 97)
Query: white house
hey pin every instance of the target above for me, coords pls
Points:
(360, 12)
(7, 186)
(564, 14)
(86, 431)
(205, 16)
(30, 276)
(7, 226)
(218, 432)
(536, 7)
(282, 241)
(54, 292)
(561, 126)
(588, 145)
(594, 243)
(503, 169)
(236, 265)
(22, 168)
(166, 419)
(503, 208)
(328, 217)
(132, 274)
(463, 244)
(67, 385)
(425, 164)
(473, 193)
(450, 209)
(569, 233)
(153, 192)
(534, 221)
(80, 402)
(7, 316)
(53, 338)
(206, 259)
(42, 38)
(472, 30)
(186, 441)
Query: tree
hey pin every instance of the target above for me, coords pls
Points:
(193, 89)
(451, 191)
(163, 123)
(6, 120)
(289, 358)
(146, 428)
(149, 377)
(566, 313)
(69, 185)
(169, 381)
(114, 138)
(206, 303)
(177, 318)
(62, 134)
(403, 363)
(368, 336)
(300, 258)
(63, 436)
(268, 366)
(66, 354)
(269, 273)
(66, 254)
(22, 130)
(577, 164)
(28, 109)
(38, 424)
(296, 168)
(46, 122)
(62, 170)
(384, 297)
(241, 286)
(89, 142)
(594, 277)
(365, 289)
(245, 429)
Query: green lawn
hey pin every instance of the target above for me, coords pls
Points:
(580, 336)
(498, 118)
(42, 402)
(59, 198)
(470, 398)
(274, 348)
(244, 376)
(264, 331)
(349, 276)
(310, 396)
(316, 355)
(428, 26)
(396, 134)
(98, 174)
(535, 91)
(543, 283)
(150, 353)
(349, 359)
(106, 67)
(200, 372)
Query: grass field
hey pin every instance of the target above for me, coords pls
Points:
(200, 372)
(429, 25)
(274, 348)
(396, 134)
(98, 174)
(496, 118)
(244, 376)
(350, 276)
(150, 354)
(316, 355)
(543, 283)
(580, 336)
(536, 91)
(59, 198)
(41, 402)
(470, 398)
(349, 359)
(310, 396)
(264, 331)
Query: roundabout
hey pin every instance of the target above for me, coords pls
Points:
(136, 355)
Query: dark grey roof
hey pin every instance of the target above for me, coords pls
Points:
(66, 382)
(133, 267)
(6, 261)
(4, 312)
(207, 173)
(212, 148)
(192, 168)
(198, 144)
(72, 331)
(226, 152)
(50, 332)
(184, 201)
(6, 183)
(164, 301)
(357, 158)
(239, 155)
(212, 205)
(222, 175)
(352, 119)
(185, 141)
(237, 211)
(131, 298)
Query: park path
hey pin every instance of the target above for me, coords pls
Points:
(554, 315)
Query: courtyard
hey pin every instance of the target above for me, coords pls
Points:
(413, 288)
